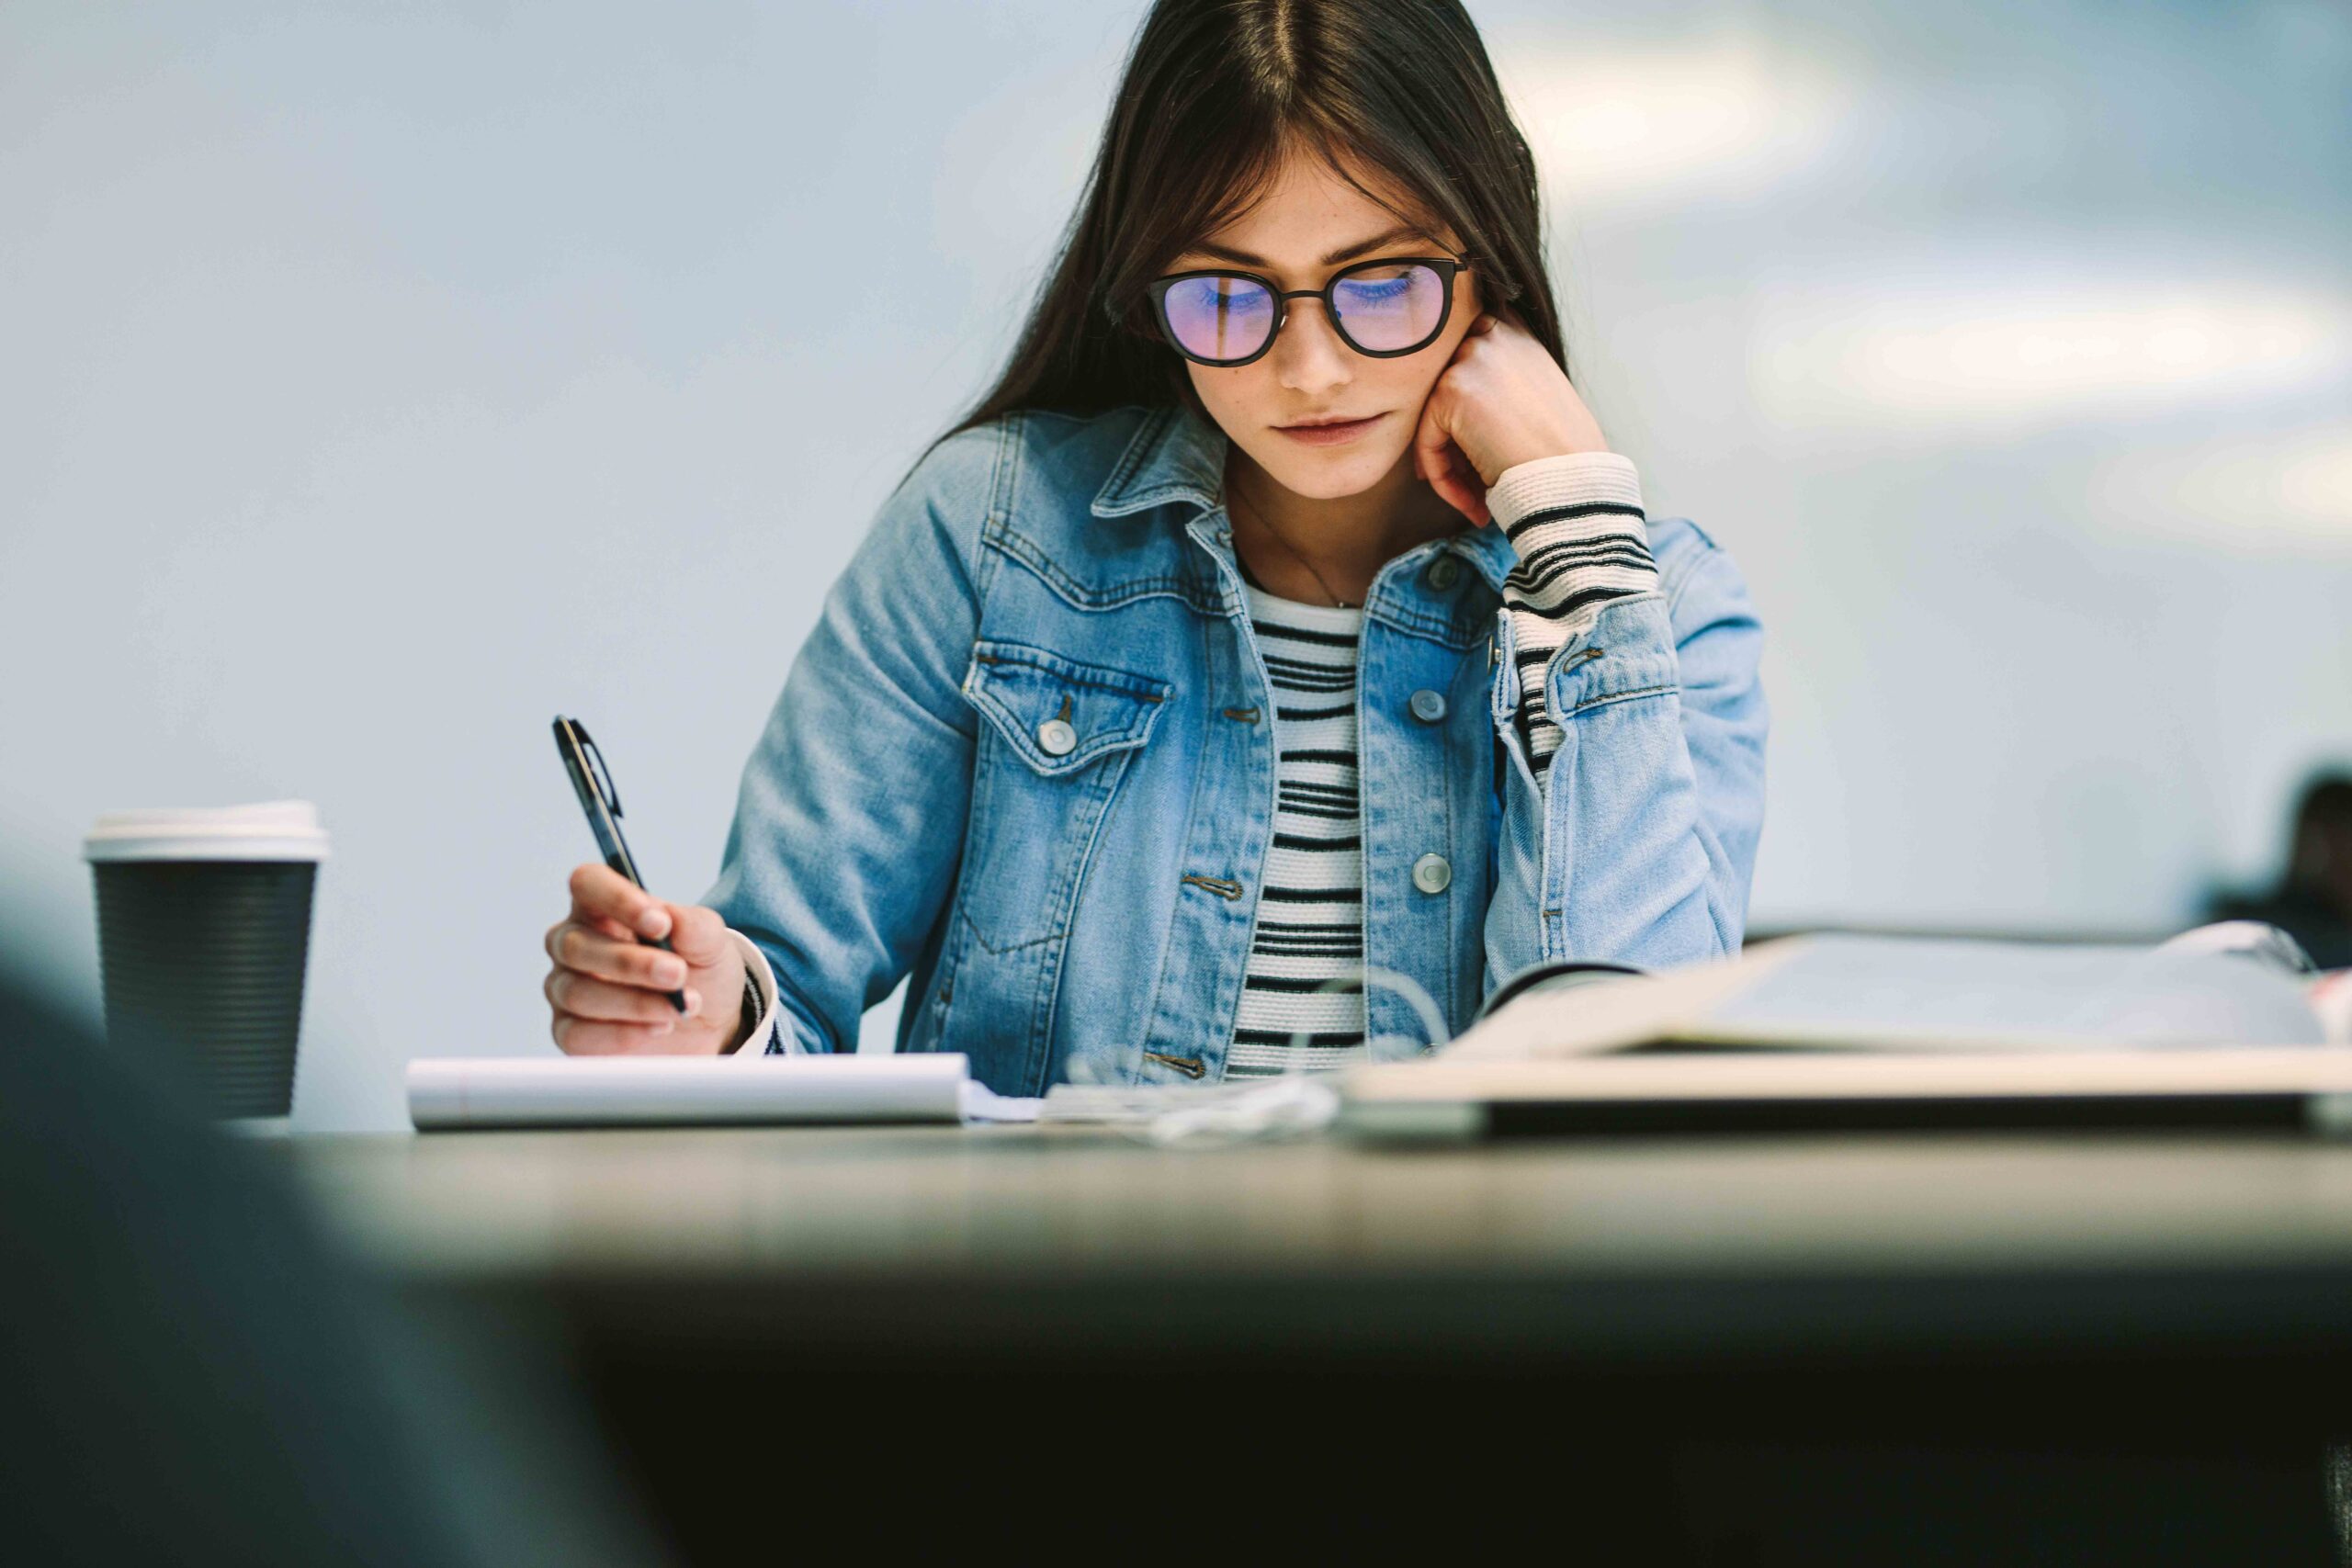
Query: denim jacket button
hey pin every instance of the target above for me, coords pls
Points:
(1428, 706)
(1442, 572)
(1058, 737)
(1430, 874)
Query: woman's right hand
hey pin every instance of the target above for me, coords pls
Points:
(611, 996)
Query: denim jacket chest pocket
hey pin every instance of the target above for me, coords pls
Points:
(1060, 735)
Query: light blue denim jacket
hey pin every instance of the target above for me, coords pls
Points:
(1077, 903)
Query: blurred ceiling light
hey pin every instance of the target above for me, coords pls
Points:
(1618, 125)
(2291, 492)
(1898, 354)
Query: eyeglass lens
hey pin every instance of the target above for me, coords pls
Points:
(1380, 308)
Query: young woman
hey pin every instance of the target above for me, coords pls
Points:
(1281, 611)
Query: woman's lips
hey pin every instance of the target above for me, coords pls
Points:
(1329, 435)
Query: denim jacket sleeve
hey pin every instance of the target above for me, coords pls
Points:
(1637, 844)
(830, 883)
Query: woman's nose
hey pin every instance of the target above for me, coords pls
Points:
(1308, 353)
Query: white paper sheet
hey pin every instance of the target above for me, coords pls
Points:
(982, 1103)
(615, 1091)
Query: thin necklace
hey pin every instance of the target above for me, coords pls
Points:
(1336, 602)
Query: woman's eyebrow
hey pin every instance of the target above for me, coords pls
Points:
(1402, 232)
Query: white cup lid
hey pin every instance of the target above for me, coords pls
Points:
(273, 830)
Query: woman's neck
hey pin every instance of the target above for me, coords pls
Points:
(1345, 540)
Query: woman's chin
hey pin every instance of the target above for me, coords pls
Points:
(1331, 474)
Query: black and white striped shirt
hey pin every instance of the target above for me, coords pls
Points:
(1310, 906)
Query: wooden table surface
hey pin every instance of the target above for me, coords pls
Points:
(1823, 1349)
(1669, 1246)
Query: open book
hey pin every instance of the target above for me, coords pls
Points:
(1846, 1030)
(1844, 990)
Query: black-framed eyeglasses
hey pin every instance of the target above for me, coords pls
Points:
(1384, 309)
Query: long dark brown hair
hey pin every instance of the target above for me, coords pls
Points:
(1216, 94)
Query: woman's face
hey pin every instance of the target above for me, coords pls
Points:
(1308, 225)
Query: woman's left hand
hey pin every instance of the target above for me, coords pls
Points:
(1502, 399)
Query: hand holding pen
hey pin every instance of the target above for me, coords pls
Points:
(633, 972)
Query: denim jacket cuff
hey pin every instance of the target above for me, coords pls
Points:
(778, 1040)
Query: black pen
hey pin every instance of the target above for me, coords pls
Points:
(593, 784)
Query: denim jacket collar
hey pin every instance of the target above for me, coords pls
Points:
(1175, 454)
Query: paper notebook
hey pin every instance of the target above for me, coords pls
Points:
(661, 1091)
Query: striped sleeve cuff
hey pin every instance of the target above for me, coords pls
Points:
(1577, 524)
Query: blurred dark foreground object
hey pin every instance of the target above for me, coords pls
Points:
(190, 1377)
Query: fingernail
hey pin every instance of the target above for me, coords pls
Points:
(693, 1002)
(655, 922)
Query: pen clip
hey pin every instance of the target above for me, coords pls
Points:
(597, 771)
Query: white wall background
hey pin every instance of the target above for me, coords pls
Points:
(376, 382)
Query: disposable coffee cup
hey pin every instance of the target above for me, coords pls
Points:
(204, 936)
